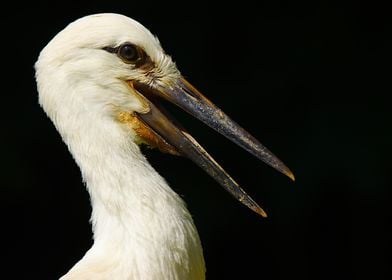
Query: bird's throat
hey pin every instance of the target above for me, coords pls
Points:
(137, 219)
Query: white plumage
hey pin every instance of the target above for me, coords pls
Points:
(142, 229)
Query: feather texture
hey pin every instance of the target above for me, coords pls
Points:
(142, 229)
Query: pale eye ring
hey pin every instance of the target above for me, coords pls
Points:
(129, 53)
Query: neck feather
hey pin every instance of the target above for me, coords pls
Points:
(142, 229)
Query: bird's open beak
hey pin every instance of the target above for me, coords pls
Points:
(176, 140)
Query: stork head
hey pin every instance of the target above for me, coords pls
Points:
(111, 66)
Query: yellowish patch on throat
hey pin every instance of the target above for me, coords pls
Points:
(145, 134)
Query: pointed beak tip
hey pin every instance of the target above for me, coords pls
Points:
(259, 211)
(262, 213)
(290, 174)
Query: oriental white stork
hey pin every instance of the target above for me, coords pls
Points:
(100, 81)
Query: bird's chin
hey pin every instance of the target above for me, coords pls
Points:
(145, 135)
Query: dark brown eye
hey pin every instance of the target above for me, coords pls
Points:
(129, 53)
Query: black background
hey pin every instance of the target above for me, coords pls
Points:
(309, 79)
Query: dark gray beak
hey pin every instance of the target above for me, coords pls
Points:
(185, 96)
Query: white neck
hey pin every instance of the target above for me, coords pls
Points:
(142, 229)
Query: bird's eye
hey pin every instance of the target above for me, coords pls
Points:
(129, 53)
